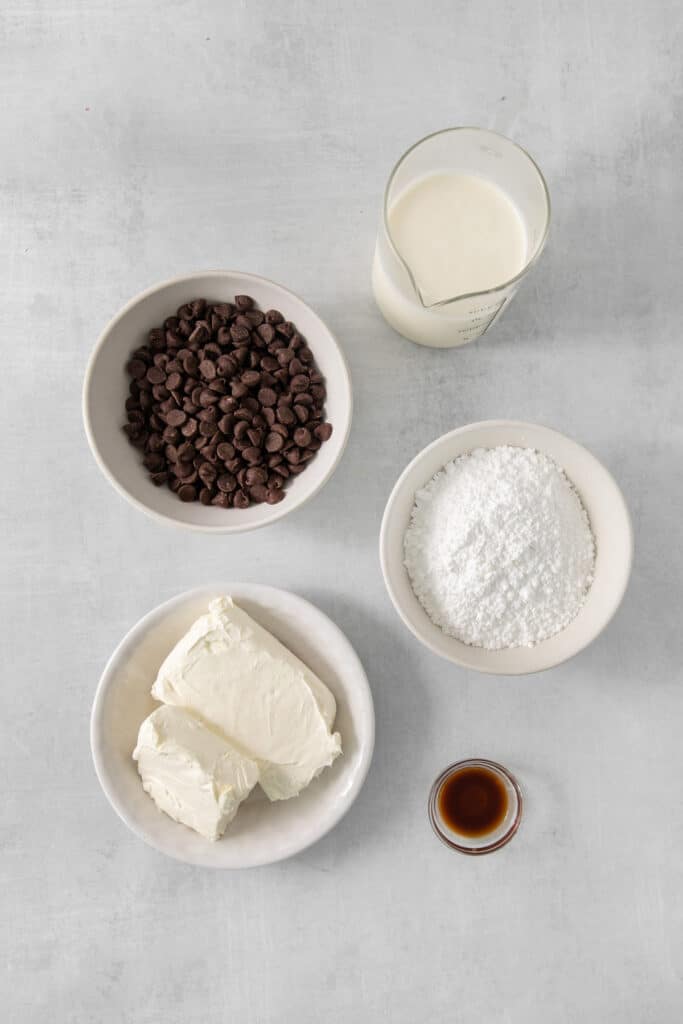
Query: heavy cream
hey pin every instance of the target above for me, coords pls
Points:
(458, 233)
(245, 684)
(193, 774)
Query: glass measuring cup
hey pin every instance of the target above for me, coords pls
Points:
(461, 318)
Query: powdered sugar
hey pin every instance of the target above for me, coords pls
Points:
(499, 549)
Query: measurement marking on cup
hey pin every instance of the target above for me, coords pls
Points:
(497, 313)
(485, 309)
(480, 325)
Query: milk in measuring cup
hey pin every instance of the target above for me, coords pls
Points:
(459, 234)
(465, 215)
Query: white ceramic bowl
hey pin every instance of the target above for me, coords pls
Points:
(609, 519)
(262, 832)
(106, 388)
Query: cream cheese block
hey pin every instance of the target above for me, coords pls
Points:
(191, 772)
(242, 681)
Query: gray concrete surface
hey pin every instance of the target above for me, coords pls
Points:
(143, 139)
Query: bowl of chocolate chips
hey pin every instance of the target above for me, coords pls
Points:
(218, 401)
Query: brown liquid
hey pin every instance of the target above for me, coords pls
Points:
(473, 801)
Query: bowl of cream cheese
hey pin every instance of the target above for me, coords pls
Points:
(233, 726)
(506, 547)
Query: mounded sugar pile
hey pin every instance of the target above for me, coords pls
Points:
(499, 549)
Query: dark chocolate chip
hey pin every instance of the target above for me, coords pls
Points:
(252, 455)
(258, 492)
(274, 442)
(207, 473)
(267, 397)
(266, 332)
(226, 482)
(154, 462)
(285, 415)
(176, 417)
(200, 334)
(255, 475)
(238, 333)
(155, 375)
(225, 451)
(323, 432)
(302, 437)
(137, 369)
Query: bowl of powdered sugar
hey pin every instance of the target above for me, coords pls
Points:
(506, 547)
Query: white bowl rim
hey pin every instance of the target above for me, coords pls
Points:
(463, 660)
(277, 512)
(138, 630)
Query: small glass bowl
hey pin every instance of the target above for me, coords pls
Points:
(490, 841)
